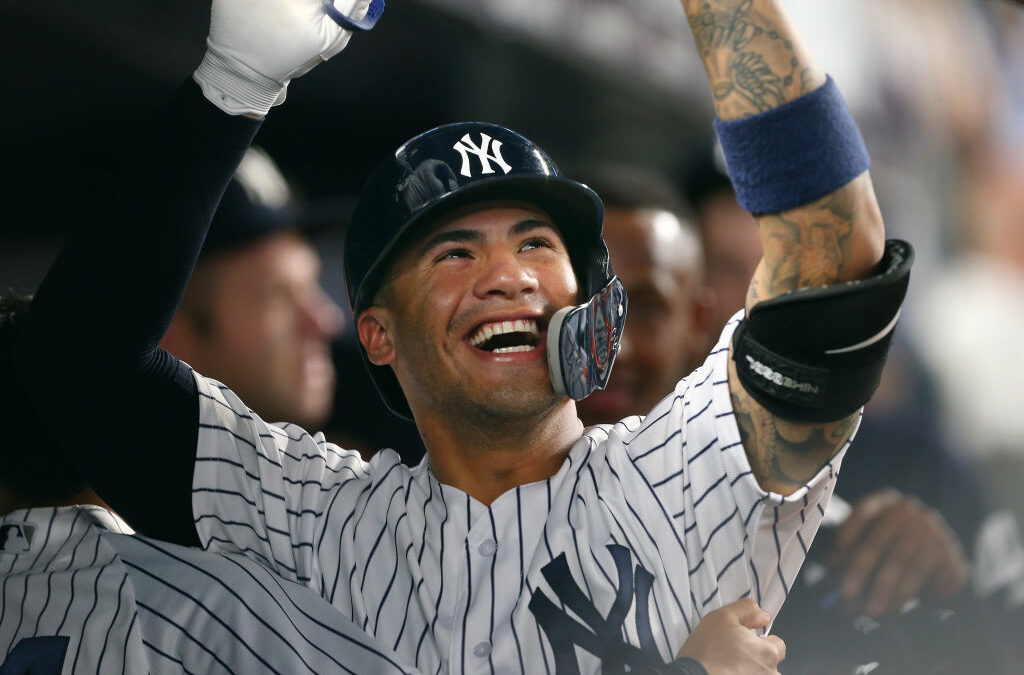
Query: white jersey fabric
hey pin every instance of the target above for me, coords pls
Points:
(78, 597)
(649, 525)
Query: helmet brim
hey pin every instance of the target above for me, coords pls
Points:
(575, 209)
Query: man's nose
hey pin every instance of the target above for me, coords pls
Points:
(320, 314)
(505, 274)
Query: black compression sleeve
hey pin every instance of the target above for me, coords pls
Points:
(126, 412)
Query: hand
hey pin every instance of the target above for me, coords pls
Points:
(255, 48)
(724, 641)
(893, 548)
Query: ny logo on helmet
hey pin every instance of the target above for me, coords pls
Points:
(488, 151)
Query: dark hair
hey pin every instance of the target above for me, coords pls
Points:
(31, 465)
(626, 186)
(704, 177)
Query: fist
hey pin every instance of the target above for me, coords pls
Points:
(724, 642)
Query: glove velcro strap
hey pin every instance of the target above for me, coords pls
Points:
(816, 354)
(235, 88)
(369, 20)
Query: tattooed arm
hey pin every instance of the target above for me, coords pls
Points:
(756, 62)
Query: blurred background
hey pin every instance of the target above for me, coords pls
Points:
(937, 87)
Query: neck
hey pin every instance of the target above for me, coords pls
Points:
(487, 460)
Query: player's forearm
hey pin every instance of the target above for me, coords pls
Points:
(756, 62)
(837, 238)
(753, 57)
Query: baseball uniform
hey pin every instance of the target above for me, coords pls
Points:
(608, 564)
(78, 597)
(647, 526)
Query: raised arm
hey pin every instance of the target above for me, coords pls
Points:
(127, 411)
(769, 97)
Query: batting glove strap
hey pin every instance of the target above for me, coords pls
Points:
(236, 88)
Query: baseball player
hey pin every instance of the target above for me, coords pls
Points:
(255, 315)
(80, 595)
(486, 306)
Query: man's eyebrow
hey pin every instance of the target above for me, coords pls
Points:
(466, 235)
(450, 237)
(530, 224)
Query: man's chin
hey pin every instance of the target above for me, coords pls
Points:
(517, 403)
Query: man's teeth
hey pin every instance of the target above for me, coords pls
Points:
(509, 350)
(489, 330)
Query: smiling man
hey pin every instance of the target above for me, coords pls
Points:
(486, 306)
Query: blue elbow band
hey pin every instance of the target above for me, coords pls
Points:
(793, 154)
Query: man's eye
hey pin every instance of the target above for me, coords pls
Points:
(453, 254)
(536, 242)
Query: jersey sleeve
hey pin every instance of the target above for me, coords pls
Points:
(229, 614)
(88, 351)
(263, 489)
(737, 539)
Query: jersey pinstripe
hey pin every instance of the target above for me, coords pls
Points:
(647, 526)
(77, 593)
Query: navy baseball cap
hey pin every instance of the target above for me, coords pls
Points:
(457, 165)
(258, 202)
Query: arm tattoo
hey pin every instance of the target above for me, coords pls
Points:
(752, 64)
(784, 456)
(810, 246)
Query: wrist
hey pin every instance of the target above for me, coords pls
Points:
(234, 87)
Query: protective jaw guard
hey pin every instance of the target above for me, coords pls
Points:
(816, 354)
(583, 342)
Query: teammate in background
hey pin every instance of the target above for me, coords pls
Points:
(80, 595)
(656, 253)
(621, 538)
(146, 606)
(254, 315)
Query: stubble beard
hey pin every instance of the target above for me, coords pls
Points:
(511, 409)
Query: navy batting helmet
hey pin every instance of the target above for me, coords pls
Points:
(448, 168)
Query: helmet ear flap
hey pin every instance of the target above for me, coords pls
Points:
(583, 342)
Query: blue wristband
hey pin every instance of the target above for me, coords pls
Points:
(796, 153)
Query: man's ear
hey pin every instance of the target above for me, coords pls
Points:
(373, 334)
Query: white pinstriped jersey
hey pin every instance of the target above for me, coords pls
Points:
(78, 598)
(647, 526)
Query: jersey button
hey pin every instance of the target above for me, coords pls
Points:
(487, 548)
(482, 649)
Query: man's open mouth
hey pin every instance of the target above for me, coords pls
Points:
(506, 337)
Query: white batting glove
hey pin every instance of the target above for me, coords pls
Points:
(256, 47)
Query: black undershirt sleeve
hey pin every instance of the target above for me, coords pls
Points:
(125, 411)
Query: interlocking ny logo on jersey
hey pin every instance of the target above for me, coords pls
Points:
(601, 636)
(488, 151)
(16, 538)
